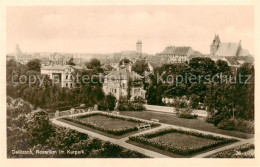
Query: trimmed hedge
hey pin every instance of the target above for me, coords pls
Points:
(237, 152)
(145, 139)
(187, 116)
(237, 124)
(118, 132)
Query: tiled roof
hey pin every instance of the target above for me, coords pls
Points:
(244, 52)
(157, 61)
(124, 74)
(60, 67)
(227, 49)
(176, 50)
(232, 60)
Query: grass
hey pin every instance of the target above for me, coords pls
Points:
(178, 143)
(242, 151)
(109, 122)
(191, 123)
(182, 140)
(97, 131)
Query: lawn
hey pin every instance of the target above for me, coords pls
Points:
(110, 125)
(179, 143)
(242, 151)
(182, 140)
(191, 123)
(113, 123)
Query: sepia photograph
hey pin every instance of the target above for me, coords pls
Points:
(129, 81)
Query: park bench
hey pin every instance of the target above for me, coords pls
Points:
(115, 112)
(144, 127)
(155, 120)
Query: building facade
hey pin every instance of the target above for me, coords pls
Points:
(117, 83)
(61, 74)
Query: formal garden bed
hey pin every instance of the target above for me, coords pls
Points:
(173, 119)
(181, 142)
(109, 123)
(243, 151)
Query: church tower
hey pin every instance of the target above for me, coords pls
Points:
(18, 51)
(215, 44)
(139, 46)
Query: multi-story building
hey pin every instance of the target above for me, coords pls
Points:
(62, 74)
(117, 83)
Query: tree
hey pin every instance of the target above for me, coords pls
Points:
(34, 65)
(124, 60)
(93, 64)
(129, 88)
(140, 66)
(110, 102)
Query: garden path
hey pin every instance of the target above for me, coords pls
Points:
(122, 141)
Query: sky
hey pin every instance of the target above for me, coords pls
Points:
(108, 29)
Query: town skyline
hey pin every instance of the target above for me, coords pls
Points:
(106, 29)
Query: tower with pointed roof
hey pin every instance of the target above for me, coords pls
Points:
(139, 46)
(18, 51)
(215, 44)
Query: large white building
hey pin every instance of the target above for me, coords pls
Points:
(61, 74)
(117, 82)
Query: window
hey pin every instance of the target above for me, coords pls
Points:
(115, 90)
(71, 85)
(67, 76)
(66, 84)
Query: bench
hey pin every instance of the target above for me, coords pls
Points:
(115, 112)
(155, 120)
(144, 127)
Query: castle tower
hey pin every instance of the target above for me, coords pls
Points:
(215, 44)
(139, 46)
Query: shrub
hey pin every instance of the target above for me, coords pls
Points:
(228, 124)
(237, 124)
(187, 116)
(136, 105)
(216, 119)
(110, 101)
(122, 104)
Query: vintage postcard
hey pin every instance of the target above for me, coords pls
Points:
(154, 81)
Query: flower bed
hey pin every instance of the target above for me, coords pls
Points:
(146, 139)
(118, 132)
(237, 152)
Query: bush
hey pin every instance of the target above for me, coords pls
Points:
(122, 104)
(187, 116)
(110, 101)
(237, 124)
(216, 119)
(136, 105)
(228, 124)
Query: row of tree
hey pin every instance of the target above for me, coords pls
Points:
(230, 95)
